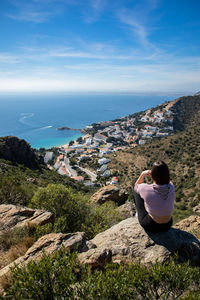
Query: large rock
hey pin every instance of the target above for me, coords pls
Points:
(127, 241)
(19, 151)
(52, 242)
(190, 224)
(126, 210)
(110, 193)
(49, 244)
(196, 209)
(12, 216)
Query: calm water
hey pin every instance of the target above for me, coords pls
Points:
(35, 117)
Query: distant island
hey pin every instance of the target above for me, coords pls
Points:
(68, 128)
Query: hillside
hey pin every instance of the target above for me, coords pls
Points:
(186, 112)
(22, 172)
(181, 151)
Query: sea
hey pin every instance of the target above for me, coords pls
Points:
(35, 117)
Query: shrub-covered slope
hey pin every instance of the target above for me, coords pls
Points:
(22, 172)
(186, 112)
(42, 188)
(181, 151)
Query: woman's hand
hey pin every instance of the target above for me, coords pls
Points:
(146, 173)
(142, 175)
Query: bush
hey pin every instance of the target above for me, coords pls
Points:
(51, 278)
(73, 212)
(100, 218)
(61, 277)
(12, 192)
(69, 208)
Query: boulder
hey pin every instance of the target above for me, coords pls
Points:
(128, 241)
(196, 209)
(12, 216)
(52, 242)
(96, 259)
(110, 193)
(190, 224)
(48, 244)
(126, 210)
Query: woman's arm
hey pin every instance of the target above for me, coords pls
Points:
(142, 175)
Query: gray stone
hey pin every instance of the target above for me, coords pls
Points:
(110, 193)
(50, 243)
(126, 210)
(128, 241)
(12, 216)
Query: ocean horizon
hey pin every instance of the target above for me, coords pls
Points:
(36, 117)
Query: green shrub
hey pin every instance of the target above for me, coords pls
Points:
(69, 208)
(12, 192)
(73, 212)
(100, 218)
(61, 277)
(51, 278)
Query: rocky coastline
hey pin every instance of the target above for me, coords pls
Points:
(69, 128)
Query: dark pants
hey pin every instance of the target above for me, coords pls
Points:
(145, 220)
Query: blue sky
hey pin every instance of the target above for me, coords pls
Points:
(100, 45)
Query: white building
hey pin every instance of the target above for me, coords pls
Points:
(103, 161)
(100, 137)
(48, 156)
(102, 169)
(88, 142)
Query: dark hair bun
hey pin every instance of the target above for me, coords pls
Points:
(160, 172)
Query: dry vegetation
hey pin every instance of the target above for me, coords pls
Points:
(13, 244)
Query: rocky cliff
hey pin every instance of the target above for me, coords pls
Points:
(19, 151)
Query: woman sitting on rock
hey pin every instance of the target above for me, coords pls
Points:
(155, 202)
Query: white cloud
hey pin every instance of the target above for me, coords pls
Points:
(88, 55)
(139, 30)
(31, 16)
(139, 22)
(93, 9)
(6, 58)
(34, 11)
(91, 77)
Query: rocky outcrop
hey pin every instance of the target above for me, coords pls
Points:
(126, 210)
(196, 209)
(19, 151)
(190, 224)
(110, 193)
(127, 241)
(12, 216)
(124, 242)
(49, 244)
(97, 258)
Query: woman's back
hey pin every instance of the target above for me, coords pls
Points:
(158, 199)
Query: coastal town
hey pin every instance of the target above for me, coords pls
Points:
(86, 159)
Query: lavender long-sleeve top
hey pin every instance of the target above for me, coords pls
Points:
(158, 199)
